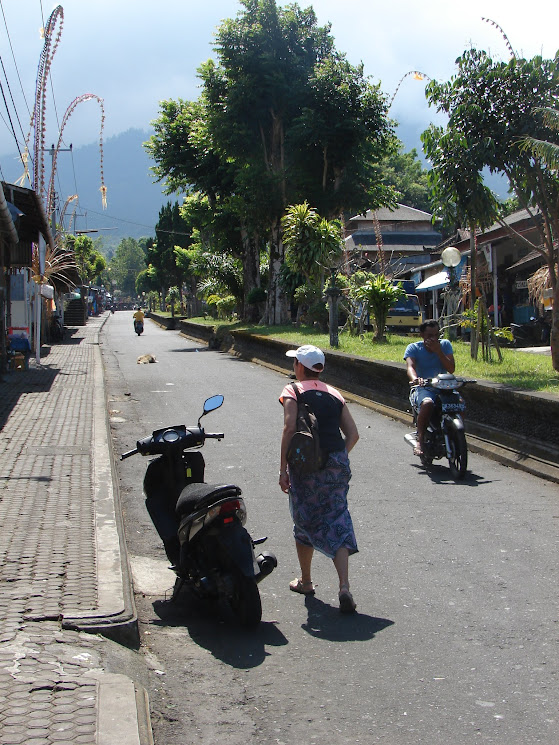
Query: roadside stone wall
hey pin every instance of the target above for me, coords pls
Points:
(166, 321)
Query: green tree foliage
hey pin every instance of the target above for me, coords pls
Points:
(457, 190)
(282, 117)
(492, 108)
(313, 244)
(90, 262)
(222, 307)
(147, 281)
(127, 263)
(340, 137)
(173, 300)
(405, 173)
(214, 273)
(171, 231)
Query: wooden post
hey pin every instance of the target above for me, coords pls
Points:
(474, 338)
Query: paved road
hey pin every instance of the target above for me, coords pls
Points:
(455, 640)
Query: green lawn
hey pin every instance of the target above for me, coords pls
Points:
(521, 370)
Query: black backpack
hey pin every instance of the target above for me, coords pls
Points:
(304, 453)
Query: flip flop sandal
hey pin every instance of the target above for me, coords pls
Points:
(347, 603)
(298, 586)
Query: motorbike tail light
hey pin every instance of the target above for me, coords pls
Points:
(231, 509)
(227, 511)
(231, 506)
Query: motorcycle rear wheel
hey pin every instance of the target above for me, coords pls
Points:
(458, 462)
(245, 602)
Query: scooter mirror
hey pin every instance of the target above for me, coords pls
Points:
(214, 402)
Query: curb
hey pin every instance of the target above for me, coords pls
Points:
(123, 711)
(116, 616)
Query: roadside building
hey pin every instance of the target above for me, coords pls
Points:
(407, 239)
(505, 259)
(23, 224)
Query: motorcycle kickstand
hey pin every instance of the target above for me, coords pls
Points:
(179, 584)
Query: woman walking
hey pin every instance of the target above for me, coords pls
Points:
(318, 502)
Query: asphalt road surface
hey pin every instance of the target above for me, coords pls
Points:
(455, 639)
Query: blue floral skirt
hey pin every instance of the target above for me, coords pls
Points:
(318, 505)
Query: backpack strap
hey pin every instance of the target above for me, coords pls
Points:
(294, 386)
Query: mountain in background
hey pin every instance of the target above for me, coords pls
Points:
(133, 199)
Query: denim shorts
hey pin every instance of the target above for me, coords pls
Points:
(419, 394)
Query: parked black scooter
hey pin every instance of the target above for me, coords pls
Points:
(202, 525)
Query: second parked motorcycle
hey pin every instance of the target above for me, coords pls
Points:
(445, 435)
(202, 525)
(536, 332)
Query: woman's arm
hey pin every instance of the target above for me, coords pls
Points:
(289, 427)
(349, 428)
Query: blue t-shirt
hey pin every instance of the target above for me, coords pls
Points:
(427, 364)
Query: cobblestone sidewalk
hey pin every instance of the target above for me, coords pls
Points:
(61, 567)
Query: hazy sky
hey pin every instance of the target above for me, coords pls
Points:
(134, 54)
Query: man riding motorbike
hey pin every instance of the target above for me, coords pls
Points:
(426, 359)
(138, 320)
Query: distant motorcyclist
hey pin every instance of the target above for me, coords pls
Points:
(139, 321)
(426, 359)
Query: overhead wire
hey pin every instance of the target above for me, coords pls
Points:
(15, 108)
(9, 115)
(10, 118)
(131, 222)
(12, 99)
(14, 58)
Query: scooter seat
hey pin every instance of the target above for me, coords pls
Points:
(197, 496)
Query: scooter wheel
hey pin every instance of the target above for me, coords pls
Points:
(245, 602)
(459, 459)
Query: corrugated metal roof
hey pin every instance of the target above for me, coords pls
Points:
(530, 257)
(401, 212)
(34, 220)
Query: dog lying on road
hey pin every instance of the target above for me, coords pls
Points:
(145, 359)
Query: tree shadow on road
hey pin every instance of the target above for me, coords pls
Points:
(326, 622)
(217, 632)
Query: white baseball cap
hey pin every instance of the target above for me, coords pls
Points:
(309, 356)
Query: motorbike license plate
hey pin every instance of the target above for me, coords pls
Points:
(458, 406)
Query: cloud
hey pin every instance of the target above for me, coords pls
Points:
(135, 54)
